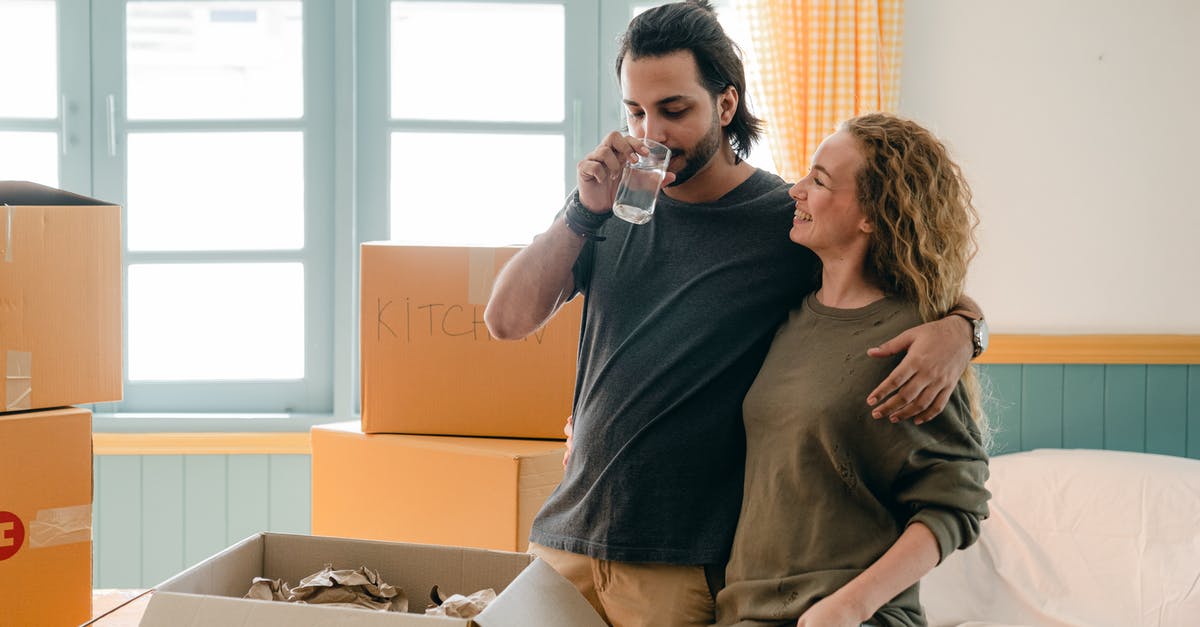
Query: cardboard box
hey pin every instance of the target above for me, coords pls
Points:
(429, 365)
(46, 518)
(60, 298)
(477, 492)
(531, 593)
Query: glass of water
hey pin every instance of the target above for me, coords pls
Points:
(638, 190)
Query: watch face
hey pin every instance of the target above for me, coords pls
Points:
(981, 334)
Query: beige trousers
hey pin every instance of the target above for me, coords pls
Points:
(636, 595)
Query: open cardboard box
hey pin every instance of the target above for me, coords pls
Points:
(531, 594)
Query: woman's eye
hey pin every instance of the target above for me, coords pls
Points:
(675, 114)
(818, 182)
(636, 114)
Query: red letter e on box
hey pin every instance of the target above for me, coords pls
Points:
(12, 535)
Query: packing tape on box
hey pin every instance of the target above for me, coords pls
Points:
(8, 234)
(18, 381)
(61, 525)
(481, 274)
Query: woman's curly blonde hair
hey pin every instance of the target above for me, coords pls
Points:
(919, 203)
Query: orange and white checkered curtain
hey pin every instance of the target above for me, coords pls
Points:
(818, 62)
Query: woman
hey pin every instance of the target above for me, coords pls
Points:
(843, 514)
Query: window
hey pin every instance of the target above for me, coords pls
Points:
(255, 143)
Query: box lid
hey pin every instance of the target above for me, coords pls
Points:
(26, 194)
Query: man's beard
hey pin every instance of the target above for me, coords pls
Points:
(699, 156)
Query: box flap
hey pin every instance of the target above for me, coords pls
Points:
(23, 193)
(227, 573)
(540, 596)
(167, 609)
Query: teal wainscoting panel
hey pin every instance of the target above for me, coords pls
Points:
(1083, 406)
(156, 515)
(1125, 408)
(96, 522)
(1002, 393)
(118, 522)
(291, 493)
(1193, 428)
(162, 517)
(1041, 407)
(1166, 410)
(205, 523)
(248, 497)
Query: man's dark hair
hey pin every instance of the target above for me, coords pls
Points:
(693, 26)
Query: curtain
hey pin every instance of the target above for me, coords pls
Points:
(816, 63)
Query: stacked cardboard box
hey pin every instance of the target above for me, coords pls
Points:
(460, 439)
(60, 344)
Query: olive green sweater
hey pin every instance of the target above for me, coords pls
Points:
(828, 489)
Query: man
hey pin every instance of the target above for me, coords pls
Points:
(678, 316)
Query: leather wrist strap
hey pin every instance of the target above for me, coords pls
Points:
(583, 222)
(974, 319)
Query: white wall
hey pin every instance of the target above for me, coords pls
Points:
(1078, 125)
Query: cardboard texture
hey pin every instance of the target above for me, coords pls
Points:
(60, 298)
(429, 365)
(46, 518)
(210, 592)
(476, 492)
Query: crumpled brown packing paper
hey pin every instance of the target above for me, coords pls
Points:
(361, 587)
(459, 606)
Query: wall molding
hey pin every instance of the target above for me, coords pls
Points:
(1092, 349)
(201, 443)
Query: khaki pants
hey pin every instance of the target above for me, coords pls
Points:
(636, 595)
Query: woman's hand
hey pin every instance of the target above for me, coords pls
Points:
(569, 431)
(938, 353)
(832, 611)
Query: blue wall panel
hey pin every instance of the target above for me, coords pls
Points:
(1083, 406)
(158, 514)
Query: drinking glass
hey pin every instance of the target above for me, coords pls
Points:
(638, 190)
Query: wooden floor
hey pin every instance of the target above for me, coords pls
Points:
(128, 616)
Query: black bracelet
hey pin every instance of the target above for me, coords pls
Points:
(583, 222)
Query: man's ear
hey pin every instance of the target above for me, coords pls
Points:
(727, 102)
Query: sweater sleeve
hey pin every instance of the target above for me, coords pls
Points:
(940, 479)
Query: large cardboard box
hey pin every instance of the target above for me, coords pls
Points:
(531, 593)
(46, 518)
(60, 298)
(429, 365)
(477, 492)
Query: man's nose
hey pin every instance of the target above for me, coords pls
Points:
(656, 129)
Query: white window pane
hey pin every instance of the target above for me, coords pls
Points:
(216, 321)
(216, 191)
(218, 60)
(468, 61)
(29, 157)
(28, 59)
(435, 202)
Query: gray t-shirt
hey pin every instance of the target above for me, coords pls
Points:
(678, 315)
